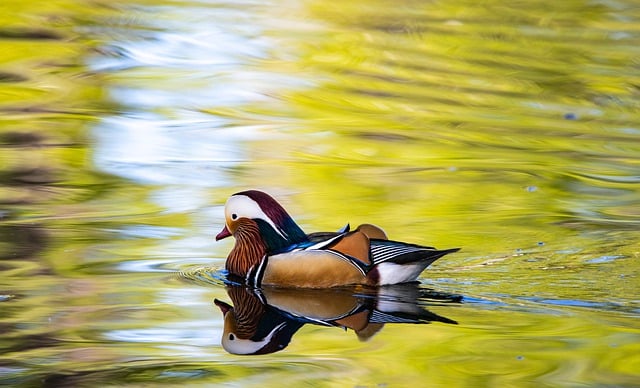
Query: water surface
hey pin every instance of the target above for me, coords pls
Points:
(508, 129)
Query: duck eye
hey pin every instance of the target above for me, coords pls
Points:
(231, 336)
(234, 216)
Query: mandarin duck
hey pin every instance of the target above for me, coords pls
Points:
(271, 249)
(262, 321)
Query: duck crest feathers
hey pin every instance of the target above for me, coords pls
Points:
(287, 231)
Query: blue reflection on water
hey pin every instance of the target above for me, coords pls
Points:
(604, 259)
(576, 303)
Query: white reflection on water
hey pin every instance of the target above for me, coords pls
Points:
(149, 150)
(169, 265)
(171, 73)
(184, 333)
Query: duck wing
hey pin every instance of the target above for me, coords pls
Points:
(317, 237)
(388, 251)
(339, 260)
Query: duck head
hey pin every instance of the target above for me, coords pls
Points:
(237, 343)
(250, 328)
(278, 230)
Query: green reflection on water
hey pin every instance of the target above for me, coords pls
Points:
(510, 130)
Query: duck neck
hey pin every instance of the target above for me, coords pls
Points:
(280, 241)
(248, 250)
(248, 311)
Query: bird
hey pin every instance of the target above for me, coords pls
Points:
(272, 250)
(263, 321)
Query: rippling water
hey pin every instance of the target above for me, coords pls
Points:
(508, 129)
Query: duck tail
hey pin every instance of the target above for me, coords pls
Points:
(396, 262)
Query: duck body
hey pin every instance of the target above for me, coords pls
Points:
(272, 250)
(349, 258)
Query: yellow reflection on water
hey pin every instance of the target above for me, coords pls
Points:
(508, 129)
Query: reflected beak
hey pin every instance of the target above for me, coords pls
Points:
(224, 307)
(223, 234)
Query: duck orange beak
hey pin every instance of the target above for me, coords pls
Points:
(224, 233)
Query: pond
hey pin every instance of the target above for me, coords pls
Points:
(508, 129)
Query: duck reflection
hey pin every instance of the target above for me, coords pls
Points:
(262, 321)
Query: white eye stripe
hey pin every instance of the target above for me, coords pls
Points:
(242, 346)
(238, 206)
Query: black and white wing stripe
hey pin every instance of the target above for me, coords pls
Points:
(325, 243)
(255, 274)
(380, 317)
(419, 316)
(400, 253)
